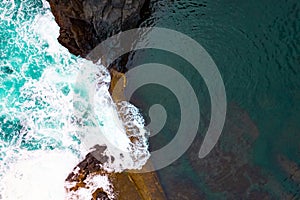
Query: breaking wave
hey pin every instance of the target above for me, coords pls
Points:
(54, 107)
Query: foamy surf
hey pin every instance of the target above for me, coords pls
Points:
(92, 183)
(38, 175)
(54, 108)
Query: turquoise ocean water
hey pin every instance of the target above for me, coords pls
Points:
(53, 108)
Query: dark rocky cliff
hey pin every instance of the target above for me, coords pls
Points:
(86, 23)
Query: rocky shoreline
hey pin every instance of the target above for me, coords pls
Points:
(229, 170)
(84, 25)
(126, 185)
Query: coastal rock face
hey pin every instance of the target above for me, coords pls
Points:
(86, 23)
(124, 186)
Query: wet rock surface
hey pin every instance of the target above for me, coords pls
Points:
(86, 23)
(125, 185)
(100, 195)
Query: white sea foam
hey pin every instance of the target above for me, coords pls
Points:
(38, 175)
(115, 124)
(92, 182)
(63, 113)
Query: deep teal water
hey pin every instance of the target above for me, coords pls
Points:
(256, 46)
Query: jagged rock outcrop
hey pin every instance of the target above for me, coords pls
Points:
(86, 23)
(125, 185)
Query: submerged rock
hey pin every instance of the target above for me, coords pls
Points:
(86, 23)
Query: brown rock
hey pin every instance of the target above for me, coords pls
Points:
(143, 186)
(99, 194)
(127, 185)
